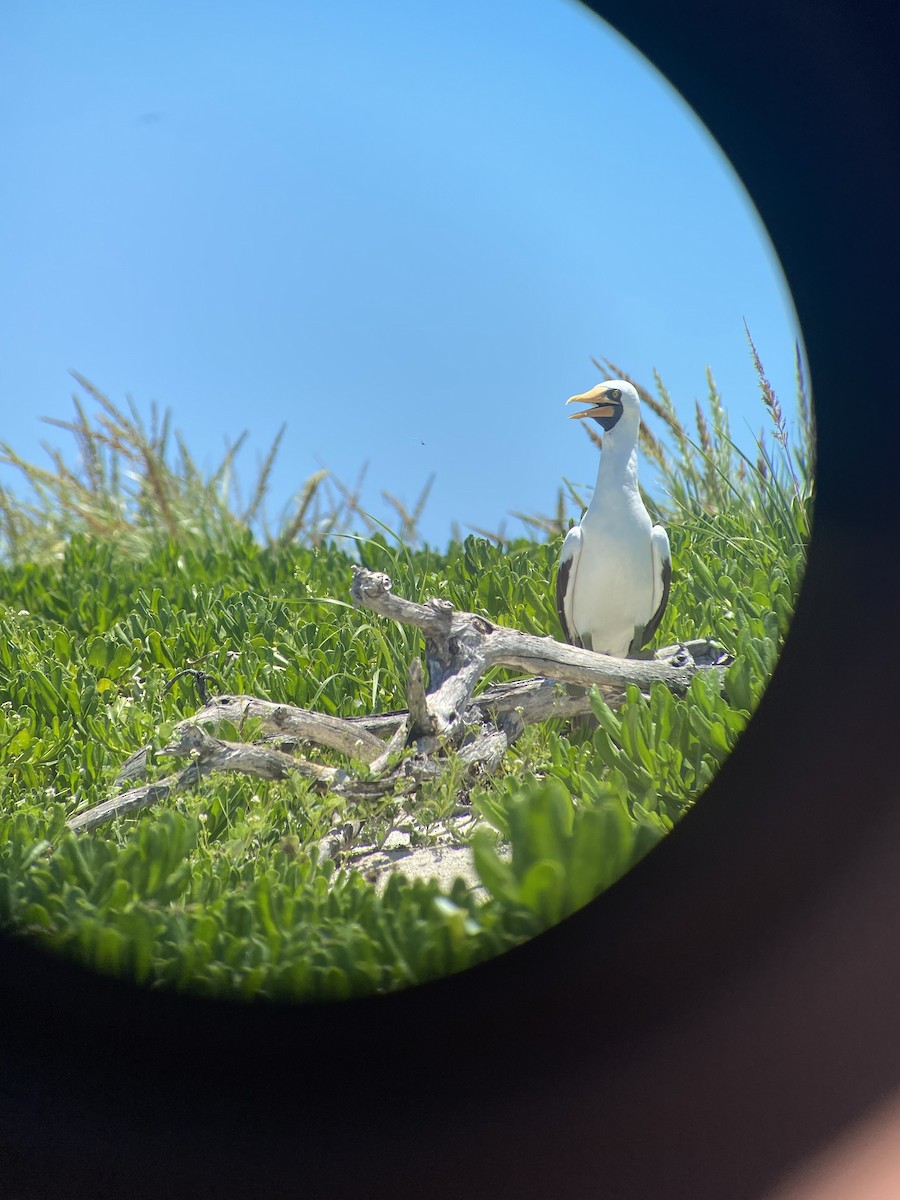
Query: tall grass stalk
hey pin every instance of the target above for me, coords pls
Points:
(136, 481)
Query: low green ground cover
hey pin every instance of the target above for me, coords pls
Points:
(220, 890)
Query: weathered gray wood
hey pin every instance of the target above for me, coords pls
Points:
(459, 648)
(349, 738)
(465, 645)
(533, 700)
(133, 800)
(421, 722)
(208, 755)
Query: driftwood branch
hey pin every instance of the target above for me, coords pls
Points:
(442, 715)
(350, 737)
(460, 645)
(206, 754)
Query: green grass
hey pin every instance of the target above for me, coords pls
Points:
(118, 575)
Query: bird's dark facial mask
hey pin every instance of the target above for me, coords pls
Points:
(606, 413)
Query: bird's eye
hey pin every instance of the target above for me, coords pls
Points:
(614, 394)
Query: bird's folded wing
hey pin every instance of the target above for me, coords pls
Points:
(565, 582)
(662, 578)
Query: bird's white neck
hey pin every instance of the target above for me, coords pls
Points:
(618, 467)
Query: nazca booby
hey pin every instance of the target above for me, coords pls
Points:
(612, 585)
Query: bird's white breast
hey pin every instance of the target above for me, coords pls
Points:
(613, 590)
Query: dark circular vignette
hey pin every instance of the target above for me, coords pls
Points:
(730, 1005)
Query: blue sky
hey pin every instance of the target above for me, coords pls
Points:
(403, 229)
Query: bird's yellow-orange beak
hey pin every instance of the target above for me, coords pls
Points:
(599, 405)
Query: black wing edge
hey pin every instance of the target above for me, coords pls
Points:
(653, 624)
(562, 582)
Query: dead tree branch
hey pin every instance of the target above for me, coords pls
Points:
(445, 715)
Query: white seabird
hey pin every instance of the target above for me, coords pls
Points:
(612, 585)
